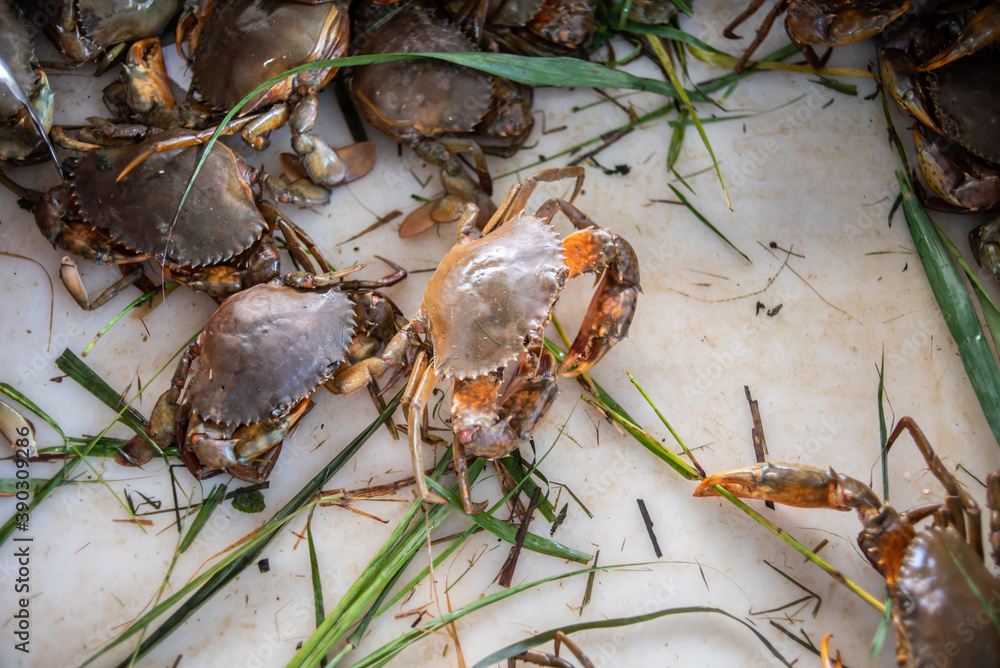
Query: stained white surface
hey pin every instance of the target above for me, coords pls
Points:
(815, 177)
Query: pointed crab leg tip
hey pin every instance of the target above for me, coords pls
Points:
(741, 483)
(477, 508)
(707, 486)
(435, 499)
(575, 364)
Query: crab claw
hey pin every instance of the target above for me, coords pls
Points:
(613, 304)
(792, 485)
(985, 241)
(980, 32)
(899, 77)
(814, 23)
(960, 181)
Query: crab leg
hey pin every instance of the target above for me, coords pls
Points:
(762, 31)
(70, 275)
(425, 389)
(459, 188)
(462, 473)
(326, 166)
(613, 304)
(531, 391)
(540, 658)
(981, 31)
(824, 653)
(262, 265)
(349, 379)
(162, 427)
(985, 242)
(796, 485)
(993, 503)
(900, 78)
(958, 502)
(258, 438)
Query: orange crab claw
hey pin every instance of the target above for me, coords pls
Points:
(613, 304)
(981, 31)
(792, 485)
(824, 654)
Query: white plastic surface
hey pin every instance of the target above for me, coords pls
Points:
(815, 176)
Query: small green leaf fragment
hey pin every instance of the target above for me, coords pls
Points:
(251, 502)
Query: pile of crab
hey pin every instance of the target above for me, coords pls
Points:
(128, 196)
(938, 60)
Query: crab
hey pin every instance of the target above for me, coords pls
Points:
(221, 243)
(536, 27)
(935, 574)
(437, 108)
(20, 139)
(261, 356)
(828, 23)
(232, 48)
(487, 305)
(100, 30)
(650, 12)
(938, 72)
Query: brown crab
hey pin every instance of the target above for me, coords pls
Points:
(936, 575)
(234, 47)
(437, 108)
(20, 140)
(937, 70)
(222, 241)
(260, 357)
(532, 27)
(828, 23)
(99, 30)
(487, 305)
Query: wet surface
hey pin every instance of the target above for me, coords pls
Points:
(815, 177)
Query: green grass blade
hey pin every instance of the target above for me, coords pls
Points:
(9, 486)
(31, 406)
(383, 570)
(205, 511)
(989, 309)
(317, 579)
(505, 531)
(203, 588)
(139, 300)
(956, 306)
(75, 368)
(649, 442)
(536, 640)
(883, 431)
(673, 34)
(705, 220)
(668, 67)
(386, 653)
